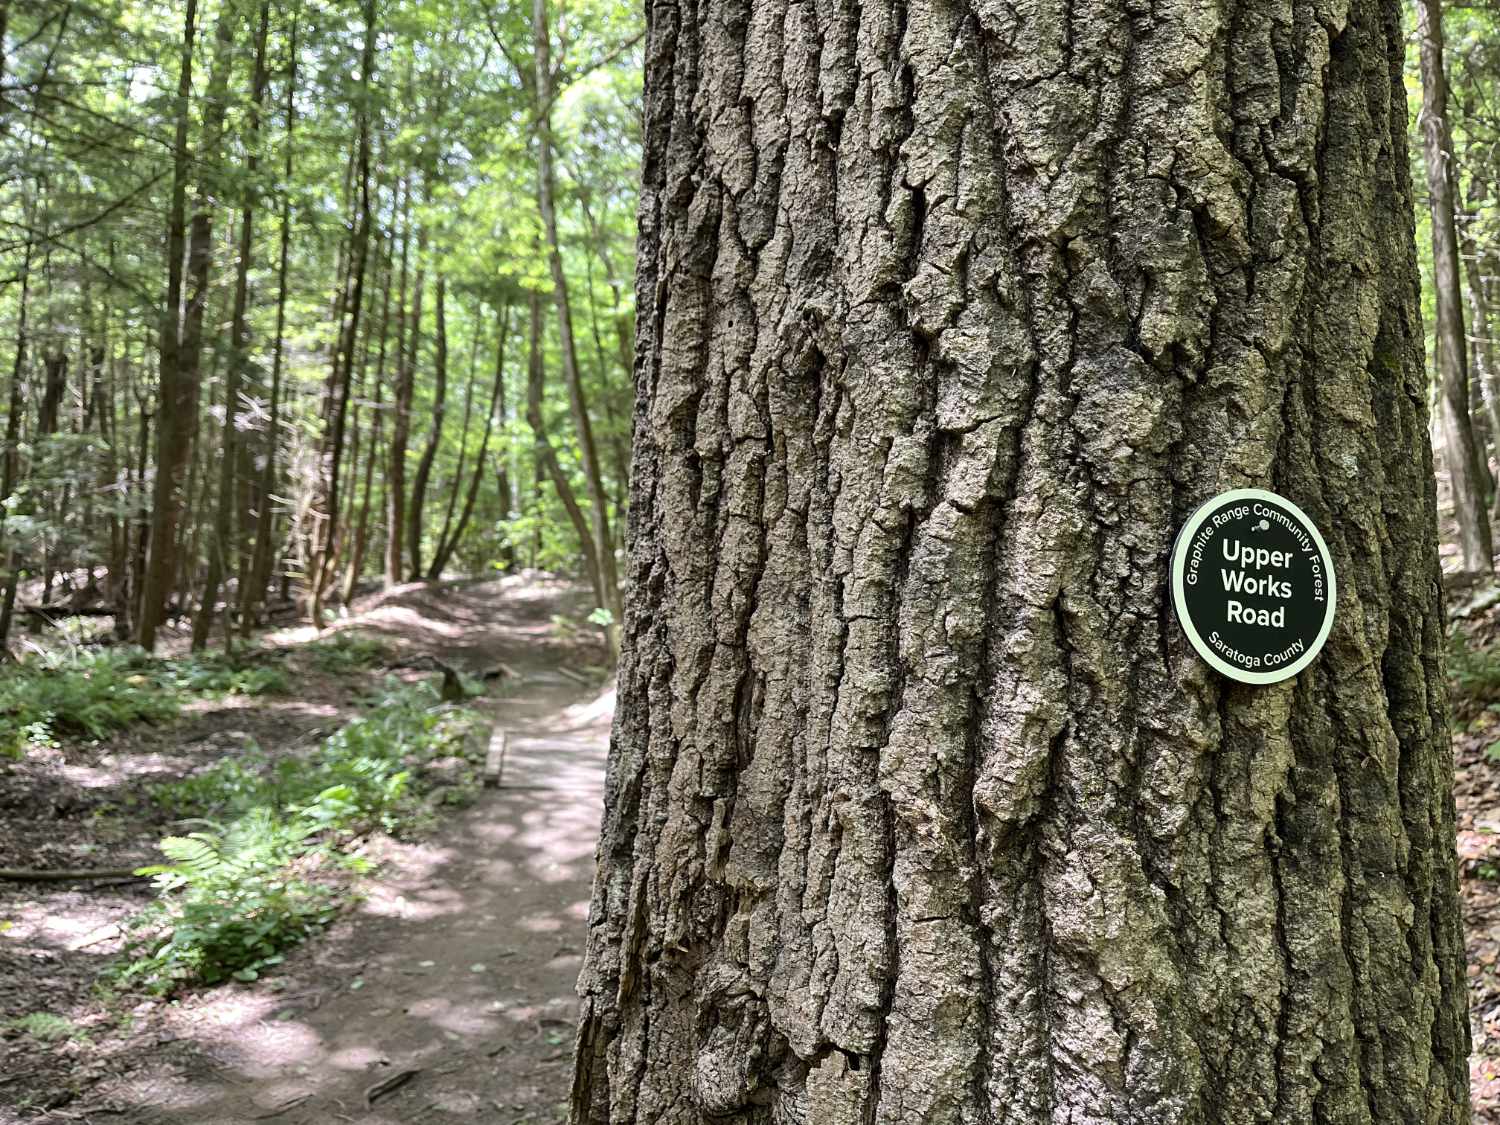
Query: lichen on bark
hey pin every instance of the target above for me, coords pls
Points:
(920, 808)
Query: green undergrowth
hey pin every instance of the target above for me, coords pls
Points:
(91, 693)
(1474, 691)
(346, 652)
(277, 838)
(44, 1027)
(1473, 674)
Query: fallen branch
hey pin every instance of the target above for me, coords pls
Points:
(386, 1085)
(285, 1107)
(38, 875)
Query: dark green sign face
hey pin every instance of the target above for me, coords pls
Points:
(1253, 585)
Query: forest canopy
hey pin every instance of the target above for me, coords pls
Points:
(297, 295)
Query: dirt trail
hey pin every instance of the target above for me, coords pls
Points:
(459, 964)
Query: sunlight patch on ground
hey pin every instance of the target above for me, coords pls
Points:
(360, 1057)
(260, 705)
(107, 775)
(85, 928)
(459, 1018)
(243, 1024)
(400, 617)
(600, 710)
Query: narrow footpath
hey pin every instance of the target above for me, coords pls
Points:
(447, 995)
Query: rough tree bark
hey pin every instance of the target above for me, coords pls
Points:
(1461, 452)
(919, 806)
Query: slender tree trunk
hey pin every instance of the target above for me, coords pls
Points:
(253, 595)
(362, 526)
(361, 536)
(356, 448)
(1461, 452)
(222, 547)
(609, 583)
(1481, 259)
(546, 458)
(920, 808)
(504, 486)
(10, 456)
(342, 374)
(434, 435)
(54, 386)
(176, 397)
(395, 478)
(182, 336)
(450, 544)
(1482, 356)
(141, 544)
(615, 440)
(440, 551)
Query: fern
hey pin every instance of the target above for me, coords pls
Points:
(232, 897)
(90, 694)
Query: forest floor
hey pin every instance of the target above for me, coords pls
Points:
(444, 994)
(1476, 730)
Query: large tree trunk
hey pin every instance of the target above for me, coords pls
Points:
(920, 808)
(1461, 453)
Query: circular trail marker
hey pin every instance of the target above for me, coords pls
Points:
(1253, 585)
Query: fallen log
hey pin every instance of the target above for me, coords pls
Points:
(65, 875)
(52, 612)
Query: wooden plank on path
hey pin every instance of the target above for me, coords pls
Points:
(494, 760)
